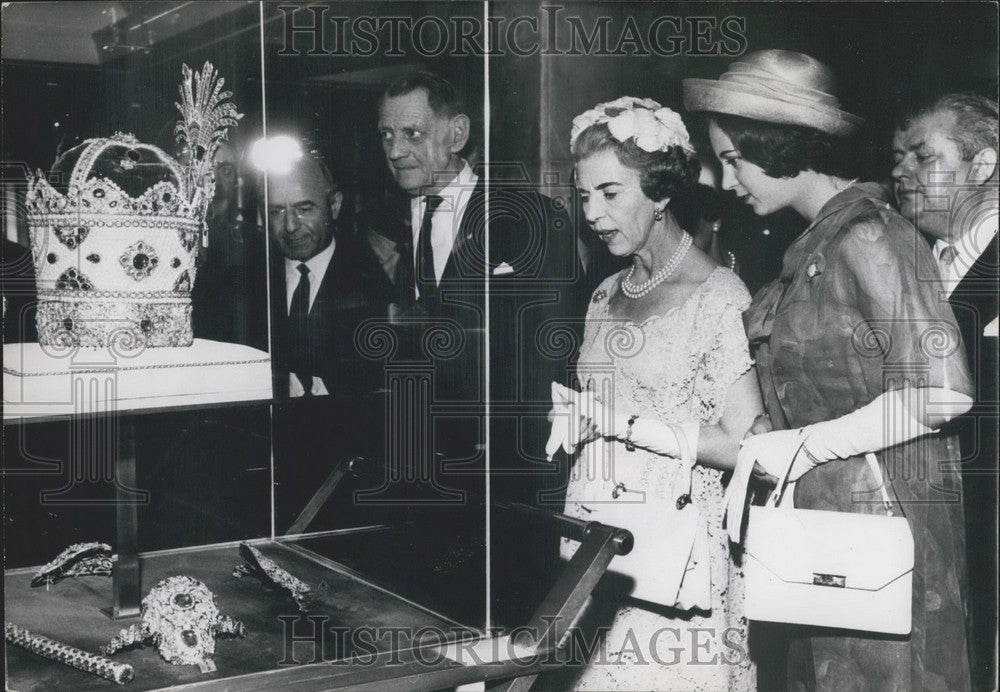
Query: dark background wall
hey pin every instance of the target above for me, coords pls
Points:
(881, 53)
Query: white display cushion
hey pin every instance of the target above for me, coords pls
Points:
(45, 380)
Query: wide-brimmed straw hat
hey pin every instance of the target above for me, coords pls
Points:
(776, 86)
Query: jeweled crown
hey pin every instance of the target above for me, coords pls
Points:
(115, 231)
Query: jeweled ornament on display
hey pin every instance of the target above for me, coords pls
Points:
(268, 571)
(181, 619)
(119, 673)
(115, 228)
(77, 560)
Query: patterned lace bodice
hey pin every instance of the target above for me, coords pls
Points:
(675, 367)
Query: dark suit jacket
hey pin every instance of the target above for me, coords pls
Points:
(529, 286)
(533, 277)
(344, 300)
(975, 303)
(531, 273)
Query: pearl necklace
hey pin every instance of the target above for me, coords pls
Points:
(638, 291)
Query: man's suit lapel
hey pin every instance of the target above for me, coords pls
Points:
(976, 304)
(463, 263)
(984, 269)
(326, 293)
(978, 286)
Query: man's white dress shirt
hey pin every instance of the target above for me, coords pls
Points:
(446, 221)
(317, 270)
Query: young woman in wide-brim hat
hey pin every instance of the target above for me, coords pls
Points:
(844, 355)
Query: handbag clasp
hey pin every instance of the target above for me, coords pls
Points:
(837, 580)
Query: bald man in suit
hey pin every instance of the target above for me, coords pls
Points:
(320, 290)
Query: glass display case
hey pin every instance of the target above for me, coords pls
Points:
(154, 472)
(266, 414)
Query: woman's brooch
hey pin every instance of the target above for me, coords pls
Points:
(816, 267)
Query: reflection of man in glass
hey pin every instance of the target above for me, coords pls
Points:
(224, 238)
(228, 296)
(226, 173)
(319, 292)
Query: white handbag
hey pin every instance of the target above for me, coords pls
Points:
(670, 561)
(830, 569)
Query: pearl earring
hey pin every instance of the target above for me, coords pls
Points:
(658, 214)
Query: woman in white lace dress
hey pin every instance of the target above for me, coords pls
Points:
(665, 352)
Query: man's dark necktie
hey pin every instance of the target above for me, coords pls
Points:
(426, 280)
(298, 319)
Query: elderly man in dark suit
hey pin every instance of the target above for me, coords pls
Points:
(527, 263)
(320, 290)
(499, 290)
(946, 178)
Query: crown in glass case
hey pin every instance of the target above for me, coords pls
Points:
(115, 229)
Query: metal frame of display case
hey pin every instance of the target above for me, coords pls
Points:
(410, 670)
(417, 664)
(126, 577)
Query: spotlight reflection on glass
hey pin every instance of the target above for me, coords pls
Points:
(276, 154)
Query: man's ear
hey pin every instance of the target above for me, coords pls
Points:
(983, 166)
(336, 201)
(460, 126)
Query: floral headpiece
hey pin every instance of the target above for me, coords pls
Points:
(654, 127)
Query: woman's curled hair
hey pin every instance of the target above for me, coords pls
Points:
(662, 174)
(784, 151)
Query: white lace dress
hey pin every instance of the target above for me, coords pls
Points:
(675, 367)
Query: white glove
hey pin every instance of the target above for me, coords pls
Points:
(775, 452)
(561, 418)
(885, 422)
(578, 418)
(559, 434)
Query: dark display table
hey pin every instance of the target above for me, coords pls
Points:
(374, 636)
